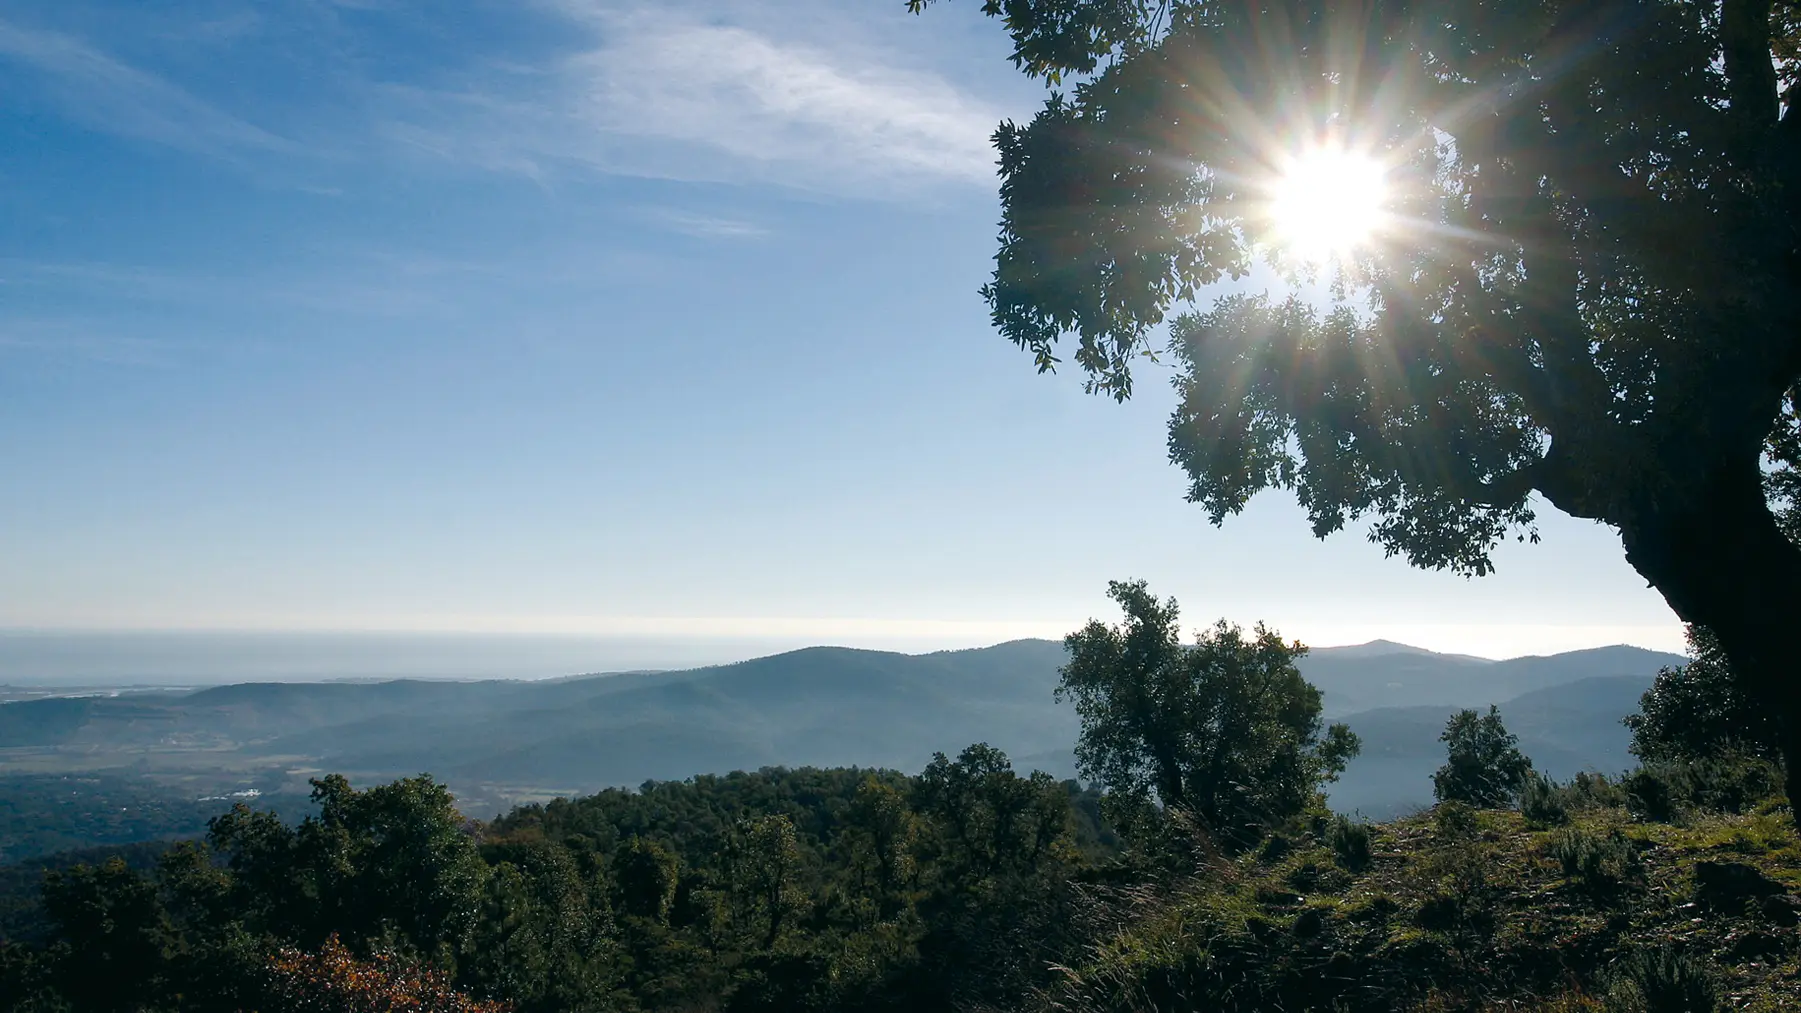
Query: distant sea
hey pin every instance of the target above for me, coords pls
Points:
(57, 659)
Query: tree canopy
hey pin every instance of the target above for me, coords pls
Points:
(1483, 763)
(1586, 284)
(789, 890)
(1226, 728)
(1697, 711)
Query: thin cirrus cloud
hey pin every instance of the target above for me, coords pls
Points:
(658, 93)
(789, 110)
(703, 226)
(375, 284)
(92, 88)
(643, 91)
(62, 340)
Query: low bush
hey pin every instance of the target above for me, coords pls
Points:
(1732, 783)
(1483, 763)
(1542, 802)
(1600, 865)
(1305, 877)
(1730, 886)
(1657, 792)
(1464, 904)
(1454, 821)
(1545, 803)
(1350, 841)
(1661, 980)
(1662, 792)
(1589, 790)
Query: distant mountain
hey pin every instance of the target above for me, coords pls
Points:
(819, 706)
(496, 741)
(1564, 729)
(1367, 677)
(1388, 648)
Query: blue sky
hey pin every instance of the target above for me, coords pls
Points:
(626, 319)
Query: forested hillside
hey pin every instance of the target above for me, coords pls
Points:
(1201, 867)
(966, 886)
(500, 742)
(782, 889)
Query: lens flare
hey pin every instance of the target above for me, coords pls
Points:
(1327, 202)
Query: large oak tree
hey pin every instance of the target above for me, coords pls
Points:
(1226, 729)
(1588, 286)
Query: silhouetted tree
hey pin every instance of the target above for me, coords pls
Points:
(392, 859)
(394, 862)
(646, 875)
(995, 901)
(1588, 287)
(763, 864)
(743, 891)
(269, 884)
(1227, 728)
(1483, 763)
(119, 938)
(1699, 711)
(25, 980)
(993, 820)
(882, 833)
(545, 935)
(782, 983)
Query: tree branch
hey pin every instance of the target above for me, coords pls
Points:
(1750, 70)
(1508, 489)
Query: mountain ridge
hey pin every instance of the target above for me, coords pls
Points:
(819, 706)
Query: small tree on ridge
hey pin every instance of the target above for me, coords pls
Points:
(1483, 766)
(1226, 729)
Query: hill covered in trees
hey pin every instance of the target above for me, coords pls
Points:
(499, 742)
(781, 888)
(1199, 867)
(965, 886)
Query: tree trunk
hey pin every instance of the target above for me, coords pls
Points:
(1720, 561)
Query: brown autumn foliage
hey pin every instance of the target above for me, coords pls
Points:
(333, 980)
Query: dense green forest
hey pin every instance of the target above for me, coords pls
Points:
(777, 889)
(1199, 869)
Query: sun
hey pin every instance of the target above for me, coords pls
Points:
(1326, 202)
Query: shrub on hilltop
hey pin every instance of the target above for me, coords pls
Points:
(1483, 766)
(1224, 731)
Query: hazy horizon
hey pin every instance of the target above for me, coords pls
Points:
(119, 658)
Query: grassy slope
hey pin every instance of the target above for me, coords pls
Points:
(1482, 919)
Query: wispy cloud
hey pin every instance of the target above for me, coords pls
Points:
(776, 104)
(684, 91)
(702, 226)
(351, 281)
(656, 93)
(61, 340)
(377, 286)
(92, 88)
(220, 31)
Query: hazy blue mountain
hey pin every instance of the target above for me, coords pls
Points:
(101, 659)
(1386, 675)
(1564, 729)
(496, 740)
(1388, 649)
